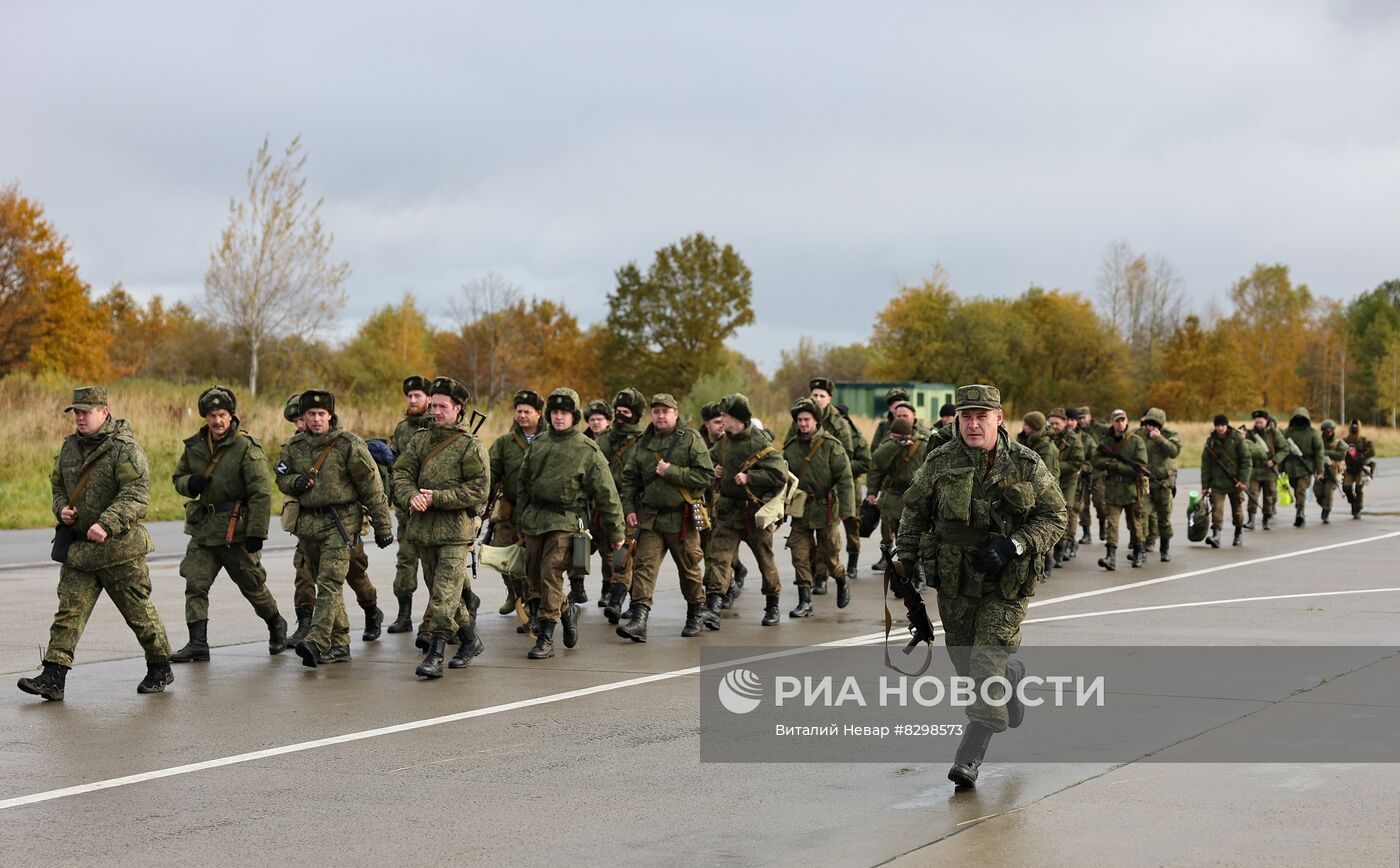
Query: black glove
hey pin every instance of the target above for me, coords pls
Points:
(994, 553)
(383, 540)
(302, 483)
(198, 482)
(253, 544)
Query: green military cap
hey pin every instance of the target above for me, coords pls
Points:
(980, 396)
(416, 383)
(88, 398)
(216, 398)
(1083, 411)
(664, 399)
(1034, 420)
(805, 405)
(316, 399)
(528, 397)
(902, 427)
(451, 388)
(823, 383)
(597, 407)
(291, 411)
(1057, 413)
(896, 393)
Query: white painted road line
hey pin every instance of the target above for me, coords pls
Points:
(236, 759)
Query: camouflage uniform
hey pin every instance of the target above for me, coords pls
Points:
(1301, 469)
(1069, 451)
(1267, 458)
(1334, 451)
(1122, 491)
(406, 561)
(617, 444)
(1230, 451)
(824, 472)
(1162, 452)
(1360, 463)
(892, 468)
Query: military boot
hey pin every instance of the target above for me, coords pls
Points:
(374, 619)
(1166, 551)
(1135, 555)
(843, 593)
(1239, 538)
(544, 640)
(1213, 538)
(735, 589)
(1084, 538)
(1266, 521)
(1058, 555)
(741, 572)
(577, 592)
(48, 684)
(968, 759)
(804, 604)
(1355, 510)
(1103, 529)
(469, 645)
(819, 586)
(1249, 525)
(197, 649)
(636, 626)
(508, 607)
(1109, 561)
(710, 615)
(424, 639)
(770, 611)
(1299, 519)
(532, 617)
(1015, 708)
(431, 667)
(1325, 513)
(276, 634)
(852, 567)
(617, 593)
(879, 566)
(404, 622)
(693, 619)
(308, 652)
(157, 676)
(568, 619)
(304, 614)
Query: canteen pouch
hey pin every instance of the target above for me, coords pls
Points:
(578, 560)
(291, 511)
(796, 505)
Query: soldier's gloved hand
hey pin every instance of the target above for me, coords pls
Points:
(253, 544)
(302, 483)
(994, 553)
(383, 540)
(197, 484)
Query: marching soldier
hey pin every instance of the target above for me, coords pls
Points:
(224, 473)
(1360, 462)
(750, 471)
(1069, 456)
(1226, 471)
(1304, 460)
(824, 473)
(616, 443)
(892, 468)
(832, 421)
(1035, 437)
(664, 487)
(561, 475)
(1163, 446)
(1090, 484)
(597, 415)
(506, 454)
(415, 418)
(981, 514)
(1269, 451)
(1334, 452)
(441, 480)
(712, 430)
(860, 466)
(331, 473)
(1113, 458)
(893, 396)
(101, 486)
(946, 414)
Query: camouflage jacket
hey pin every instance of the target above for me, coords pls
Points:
(1358, 453)
(736, 503)
(1096, 434)
(1069, 451)
(962, 496)
(660, 501)
(116, 495)
(459, 477)
(617, 444)
(562, 474)
(825, 476)
(407, 427)
(1161, 453)
(507, 451)
(894, 463)
(347, 476)
(239, 476)
(1309, 442)
(1275, 449)
(1231, 452)
(1120, 480)
(860, 454)
(1041, 444)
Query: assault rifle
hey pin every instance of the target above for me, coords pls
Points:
(1137, 466)
(1234, 480)
(909, 589)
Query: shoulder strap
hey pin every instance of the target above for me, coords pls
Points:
(519, 440)
(617, 456)
(906, 455)
(325, 453)
(436, 450)
(755, 458)
(807, 459)
(217, 455)
(82, 483)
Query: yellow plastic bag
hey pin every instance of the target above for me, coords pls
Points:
(1285, 491)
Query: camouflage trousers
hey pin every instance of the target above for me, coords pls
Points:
(129, 586)
(815, 553)
(356, 576)
(852, 526)
(981, 634)
(1096, 492)
(328, 559)
(652, 547)
(202, 564)
(1133, 513)
(1086, 497)
(447, 570)
(724, 551)
(405, 563)
(547, 558)
(1217, 507)
(1354, 491)
(1265, 493)
(1157, 515)
(1072, 508)
(1300, 486)
(1325, 487)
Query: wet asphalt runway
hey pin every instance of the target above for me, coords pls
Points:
(545, 771)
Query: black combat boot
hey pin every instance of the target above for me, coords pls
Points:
(1239, 538)
(276, 634)
(770, 611)
(736, 588)
(1084, 538)
(469, 645)
(1249, 525)
(971, 750)
(879, 566)
(636, 626)
(617, 593)
(741, 572)
(308, 652)
(544, 640)
(374, 620)
(819, 586)
(852, 565)
(1266, 521)
(1213, 538)
(431, 667)
(1135, 555)
(304, 614)
(404, 622)
(1015, 708)
(157, 676)
(336, 654)
(843, 592)
(424, 639)
(568, 618)
(693, 619)
(1058, 555)
(48, 684)
(804, 603)
(1109, 561)
(532, 616)
(1103, 529)
(1325, 513)
(1166, 551)
(577, 592)
(710, 615)
(1355, 510)
(1299, 520)
(197, 649)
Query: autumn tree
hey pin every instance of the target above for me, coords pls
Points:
(1070, 354)
(809, 359)
(47, 318)
(487, 342)
(1270, 326)
(272, 274)
(668, 325)
(1373, 324)
(1204, 373)
(1142, 299)
(912, 333)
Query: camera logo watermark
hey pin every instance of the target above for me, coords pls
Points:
(740, 691)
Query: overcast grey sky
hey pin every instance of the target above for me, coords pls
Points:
(841, 148)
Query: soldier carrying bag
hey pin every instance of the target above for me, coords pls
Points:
(63, 533)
